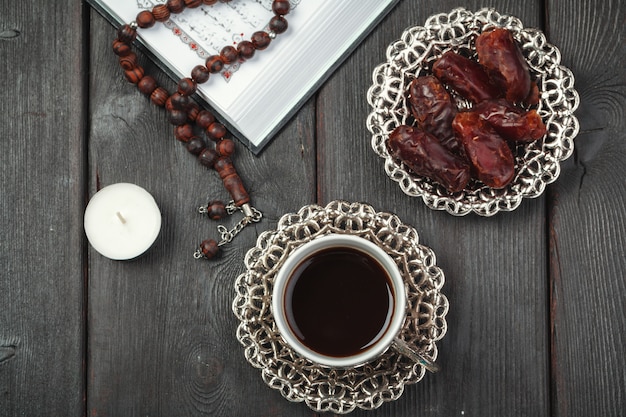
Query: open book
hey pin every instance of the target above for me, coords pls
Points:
(254, 99)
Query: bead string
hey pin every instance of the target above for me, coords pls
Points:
(216, 210)
(185, 114)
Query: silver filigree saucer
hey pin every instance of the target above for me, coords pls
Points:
(537, 164)
(327, 389)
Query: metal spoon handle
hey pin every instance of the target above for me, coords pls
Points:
(403, 348)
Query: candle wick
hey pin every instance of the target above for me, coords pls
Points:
(122, 219)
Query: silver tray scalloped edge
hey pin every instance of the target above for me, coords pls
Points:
(537, 164)
(327, 389)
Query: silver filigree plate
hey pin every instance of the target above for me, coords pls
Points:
(327, 389)
(537, 164)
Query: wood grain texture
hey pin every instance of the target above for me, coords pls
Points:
(162, 332)
(537, 309)
(494, 356)
(588, 217)
(41, 202)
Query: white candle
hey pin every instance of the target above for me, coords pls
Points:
(122, 221)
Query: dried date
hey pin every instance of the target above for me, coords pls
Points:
(449, 146)
(533, 97)
(512, 123)
(465, 76)
(426, 156)
(499, 54)
(433, 110)
(490, 156)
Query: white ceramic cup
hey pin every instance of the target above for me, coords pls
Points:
(388, 336)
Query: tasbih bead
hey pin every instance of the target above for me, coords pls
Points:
(207, 157)
(128, 62)
(175, 6)
(278, 24)
(120, 48)
(209, 2)
(225, 147)
(209, 248)
(246, 50)
(224, 166)
(126, 34)
(192, 4)
(186, 86)
(145, 19)
(214, 64)
(183, 132)
(180, 102)
(281, 7)
(169, 106)
(134, 75)
(200, 74)
(216, 210)
(161, 12)
(147, 85)
(192, 111)
(204, 119)
(159, 96)
(216, 131)
(195, 145)
(229, 54)
(260, 40)
(177, 117)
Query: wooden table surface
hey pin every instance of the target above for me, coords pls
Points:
(536, 325)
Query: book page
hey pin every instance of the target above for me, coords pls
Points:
(205, 30)
(186, 39)
(256, 97)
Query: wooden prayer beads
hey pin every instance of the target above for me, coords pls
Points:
(183, 112)
(216, 210)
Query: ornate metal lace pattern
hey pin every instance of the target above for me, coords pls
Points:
(537, 164)
(339, 390)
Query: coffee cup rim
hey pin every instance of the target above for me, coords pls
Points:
(334, 240)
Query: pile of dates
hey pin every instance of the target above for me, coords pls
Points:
(451, 146)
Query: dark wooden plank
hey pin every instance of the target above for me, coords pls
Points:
(162, 333)
(588, 217)
(494, 356)
(41, 203)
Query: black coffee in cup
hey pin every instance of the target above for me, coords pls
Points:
(339, 301)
